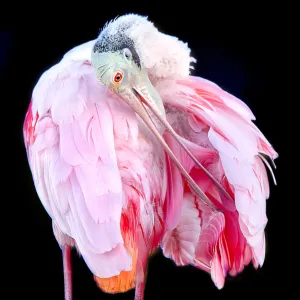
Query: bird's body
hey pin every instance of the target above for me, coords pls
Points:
(99, 162)
(109, 184)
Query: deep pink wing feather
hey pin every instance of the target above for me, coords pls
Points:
(220, 124)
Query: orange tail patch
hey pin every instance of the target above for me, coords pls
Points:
(123, 282)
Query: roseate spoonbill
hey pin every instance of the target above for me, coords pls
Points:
(129, 152)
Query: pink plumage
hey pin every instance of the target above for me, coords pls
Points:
(112, 190)
(211, 118)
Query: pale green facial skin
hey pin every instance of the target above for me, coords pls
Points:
(107, 64)
(134, 79)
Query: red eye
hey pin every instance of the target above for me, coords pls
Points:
(118, 77)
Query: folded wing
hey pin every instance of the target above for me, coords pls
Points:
(218, 129)
(68, 134)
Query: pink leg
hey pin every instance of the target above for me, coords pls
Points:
(139, 289)
(66, 251)
(141, 269)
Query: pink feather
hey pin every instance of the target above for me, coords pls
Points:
(94, 162)
(77, 163)
(207, 116)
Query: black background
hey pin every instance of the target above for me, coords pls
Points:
(236, 46)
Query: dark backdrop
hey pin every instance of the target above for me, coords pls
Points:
(235, 47)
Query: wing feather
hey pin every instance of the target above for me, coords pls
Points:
(207, 116)
(69, 138)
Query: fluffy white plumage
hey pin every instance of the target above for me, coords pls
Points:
(161, 54)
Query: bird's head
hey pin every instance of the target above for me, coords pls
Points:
(118, 64)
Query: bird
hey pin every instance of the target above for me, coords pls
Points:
(130, 152)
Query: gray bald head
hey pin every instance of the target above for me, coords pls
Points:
(115, 37)
(132, 45)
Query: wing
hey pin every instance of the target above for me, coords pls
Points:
(68, 134)
(218, 128)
